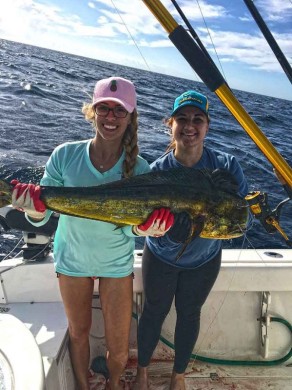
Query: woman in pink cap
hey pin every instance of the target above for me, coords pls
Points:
(85, 249)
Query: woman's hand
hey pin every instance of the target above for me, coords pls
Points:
(26, 197)
(157, 224)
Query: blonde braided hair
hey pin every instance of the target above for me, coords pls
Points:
(130, 138)
(130, 143)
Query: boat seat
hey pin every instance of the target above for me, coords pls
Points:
(17, 348)
(15, 219)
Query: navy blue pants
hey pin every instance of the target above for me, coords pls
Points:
(190, 288)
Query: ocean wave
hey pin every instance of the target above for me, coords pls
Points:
(42, 93)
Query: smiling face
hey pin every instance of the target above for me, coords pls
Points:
(189, 128)
(110, 126)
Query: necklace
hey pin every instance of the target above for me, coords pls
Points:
(95, 159)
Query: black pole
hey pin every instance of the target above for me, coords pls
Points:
(195, 36)
(191, 30)
(270, 39)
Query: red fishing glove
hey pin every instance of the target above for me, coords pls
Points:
(157, 224)
(26, 197)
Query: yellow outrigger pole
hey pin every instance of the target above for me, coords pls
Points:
(213, 79)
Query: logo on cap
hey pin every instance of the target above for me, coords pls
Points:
(113, 86)
(190, 98)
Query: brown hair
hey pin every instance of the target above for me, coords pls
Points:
(168, 122)
(130, 138)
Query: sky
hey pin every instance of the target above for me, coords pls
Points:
(127, 33)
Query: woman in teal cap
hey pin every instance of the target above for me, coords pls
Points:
(189, 280)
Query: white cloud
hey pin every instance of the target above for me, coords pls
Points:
(251, 50)
(28, 20)
(245, 18)
(208, 10)
(276, 10)
(39, 24)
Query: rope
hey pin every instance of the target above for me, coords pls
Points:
(211, 40)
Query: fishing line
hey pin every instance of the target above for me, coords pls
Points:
(135, 43)
(245, 232)
(196, 37)
(133, 39)
(245, 239)
(191, 30)
(211, 40)
(251, 244)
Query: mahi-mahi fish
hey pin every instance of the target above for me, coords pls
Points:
(210, 198)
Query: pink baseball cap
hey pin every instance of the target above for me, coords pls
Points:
(117, 90)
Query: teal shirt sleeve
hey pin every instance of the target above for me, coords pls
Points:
(42, 222)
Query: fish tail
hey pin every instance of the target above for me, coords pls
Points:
(5, 193)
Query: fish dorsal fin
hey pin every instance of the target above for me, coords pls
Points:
(224, 180)
(176, 176)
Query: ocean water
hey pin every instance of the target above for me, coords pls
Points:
(41, 95)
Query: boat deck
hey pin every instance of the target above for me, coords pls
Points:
(202, 376)
(48, 324)
(30, 293)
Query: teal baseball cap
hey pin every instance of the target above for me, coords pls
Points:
(191, 98)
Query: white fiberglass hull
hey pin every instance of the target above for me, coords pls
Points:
(251, 284)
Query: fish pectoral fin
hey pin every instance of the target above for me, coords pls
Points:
(224, 180)
(197, 227)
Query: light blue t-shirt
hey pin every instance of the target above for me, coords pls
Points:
(84, 247)
(200, 250)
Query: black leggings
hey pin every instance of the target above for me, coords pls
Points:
(190, 288)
